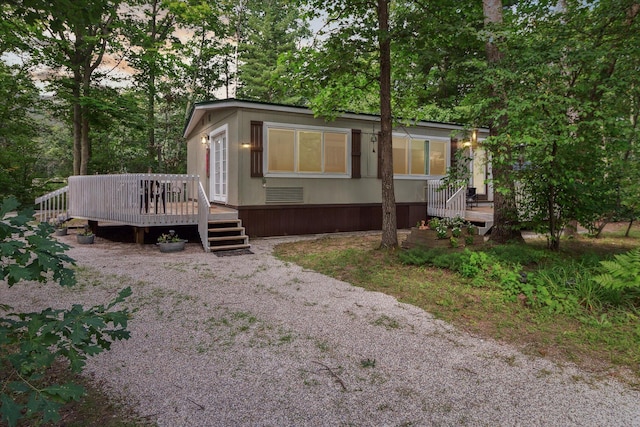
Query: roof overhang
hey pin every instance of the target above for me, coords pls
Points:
(201, 108)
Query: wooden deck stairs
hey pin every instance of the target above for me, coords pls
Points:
(227, 234)
(481, 216)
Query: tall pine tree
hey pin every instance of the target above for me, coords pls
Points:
(270, 28)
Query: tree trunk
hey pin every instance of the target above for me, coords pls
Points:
(77, 124)
(626, 234)
(151, 90)
(85, 147)
(389, 219)
(505, 211)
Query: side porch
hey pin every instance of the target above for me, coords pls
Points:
(143, 201)
(447, 201)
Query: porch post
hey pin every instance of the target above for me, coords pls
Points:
(138, 234)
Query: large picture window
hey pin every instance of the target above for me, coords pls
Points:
(310, 151)
(400, 155)
(281, 143)
(306, 151)
(419, 148)
(437, 158)
(419, 156)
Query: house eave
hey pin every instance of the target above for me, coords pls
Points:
(199, 109)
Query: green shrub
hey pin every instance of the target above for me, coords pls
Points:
(434, 223)
(520, 254)
(437, 257)
(449, 260)
(476, 263)
(31, 342)
(416, 256)
(509, 279)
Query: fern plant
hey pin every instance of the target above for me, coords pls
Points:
(622, 273)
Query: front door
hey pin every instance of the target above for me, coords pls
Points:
(219, 168)
(480, 171)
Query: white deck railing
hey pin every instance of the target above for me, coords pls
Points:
(203, 218)
(445, 201)
(53, 205)
(135, 199)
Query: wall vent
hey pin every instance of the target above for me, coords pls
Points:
(284, 195)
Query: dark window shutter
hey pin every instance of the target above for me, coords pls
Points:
(256, 149)
(454, 149)
(356, 149)
(379, 158)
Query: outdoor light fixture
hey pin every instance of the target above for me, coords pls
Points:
(473, 141)
(204, 139)
(245, 145)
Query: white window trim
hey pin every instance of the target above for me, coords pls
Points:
(295, 127)
(222, 130)
(447, 144)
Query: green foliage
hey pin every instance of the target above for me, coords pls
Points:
(622, 273)
(416, 256)
(340, 71)
(568, 83)
(467, 263)
(19, 161)
(31, 342)
(441, 231)
(458, 175)
(571, 282)
(545, 282)
(475, 265)
(518, 254)
(27, 252)
(434, 223)
(271, 28)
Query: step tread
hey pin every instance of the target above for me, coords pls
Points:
(225, 230)
(229, 247)
(223, 238)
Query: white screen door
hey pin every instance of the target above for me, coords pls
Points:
(219, 162)
(480, 170)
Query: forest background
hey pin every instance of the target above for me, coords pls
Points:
(105, 86)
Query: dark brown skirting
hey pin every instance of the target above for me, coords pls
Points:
(283, 220)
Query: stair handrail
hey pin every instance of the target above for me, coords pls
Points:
(457, 203)
(203, 217)
(53, 204)
(455, 195)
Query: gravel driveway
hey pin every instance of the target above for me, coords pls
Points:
(252, 341)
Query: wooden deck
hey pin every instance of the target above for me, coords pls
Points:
(479, 214)
(137, 200)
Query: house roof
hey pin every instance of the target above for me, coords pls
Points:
(200, 108)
